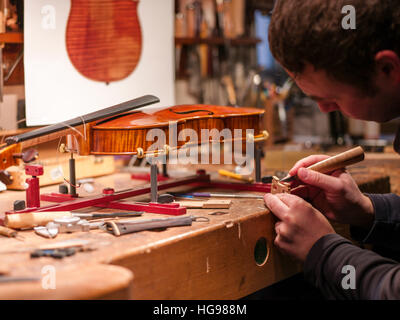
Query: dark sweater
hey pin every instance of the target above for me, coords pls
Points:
(376, 277)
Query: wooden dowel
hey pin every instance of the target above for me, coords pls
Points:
(4, 231)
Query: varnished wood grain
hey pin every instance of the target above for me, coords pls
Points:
(104, 38)
(125, 133)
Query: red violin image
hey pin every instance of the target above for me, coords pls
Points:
(104, 40)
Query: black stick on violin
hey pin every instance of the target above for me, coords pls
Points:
(90, 117)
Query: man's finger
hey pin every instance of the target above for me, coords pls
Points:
(277, 227)
(306, 192)
(277, 207)
(281, 242)
(306, 162)
(337, 173)
(289, 200)
(282, 229)
(322, 181)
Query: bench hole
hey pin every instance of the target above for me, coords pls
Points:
(261, 251)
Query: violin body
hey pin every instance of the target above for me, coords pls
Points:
(123, 130)
(103, 38)
(127, 133)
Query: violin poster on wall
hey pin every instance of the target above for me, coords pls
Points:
(84, 55)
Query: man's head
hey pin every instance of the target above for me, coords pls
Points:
(355, 71)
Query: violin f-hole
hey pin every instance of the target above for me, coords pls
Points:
(210, 113)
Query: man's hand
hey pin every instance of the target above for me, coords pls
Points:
(300, 224)
(336, 195)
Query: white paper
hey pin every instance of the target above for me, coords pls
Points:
(55, 91)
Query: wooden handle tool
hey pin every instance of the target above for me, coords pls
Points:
(338, 161)
(233, 175)
(30, 220)
(11, 233)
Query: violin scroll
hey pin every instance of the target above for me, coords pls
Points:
(10, 156)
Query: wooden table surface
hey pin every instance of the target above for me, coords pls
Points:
(208, 260)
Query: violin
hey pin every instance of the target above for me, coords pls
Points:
(120, 130)
(103, 38)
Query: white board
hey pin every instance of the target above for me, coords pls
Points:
(55, 91)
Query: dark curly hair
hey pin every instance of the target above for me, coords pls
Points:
(310, 32)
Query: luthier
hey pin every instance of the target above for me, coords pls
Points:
(225, 182)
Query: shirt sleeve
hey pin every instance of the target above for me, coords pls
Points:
(386, 228)
(341, 270)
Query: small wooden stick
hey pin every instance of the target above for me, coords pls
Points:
(11, 233)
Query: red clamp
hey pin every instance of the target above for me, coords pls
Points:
(32, 192)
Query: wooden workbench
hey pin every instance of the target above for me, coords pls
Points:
(212, 260)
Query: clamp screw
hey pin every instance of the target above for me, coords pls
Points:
(108, 191)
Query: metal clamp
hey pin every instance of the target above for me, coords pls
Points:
(63, 225)
(261, 137)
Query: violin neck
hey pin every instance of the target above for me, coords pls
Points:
(83, 120)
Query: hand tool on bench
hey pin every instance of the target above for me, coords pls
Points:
(209, 204)
(7, 279)
(11, 233)
(83, 244)
(62, 225)
(56, 253)
(120, 228)
(67, 225)
(333, 163)
(236, 176)
(30, 220)
(215, 195)
(108, 215)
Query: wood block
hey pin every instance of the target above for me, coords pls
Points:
(209, 204)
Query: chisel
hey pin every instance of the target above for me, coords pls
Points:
(11, 233)
(121, 227)
(338, 161)
(216, 195)
(108, 215)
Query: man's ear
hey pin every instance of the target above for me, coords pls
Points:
(388, 64)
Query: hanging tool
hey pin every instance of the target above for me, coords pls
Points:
(120, 228)
(338, 161)
(11, 233)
